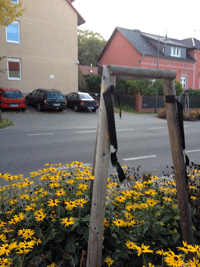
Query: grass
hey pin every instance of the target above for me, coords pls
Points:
(4, 123)
(126, 108)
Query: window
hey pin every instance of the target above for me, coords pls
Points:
(15, 1)
(14, 69)
(183, 82)
(175, 52)
(13, 32)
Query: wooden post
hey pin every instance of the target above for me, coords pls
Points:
(101, 164)
(178, 162)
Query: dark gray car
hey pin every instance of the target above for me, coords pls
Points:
(81, 101)
(46, 99)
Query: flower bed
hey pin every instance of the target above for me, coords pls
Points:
(44, 219)
(192, 116)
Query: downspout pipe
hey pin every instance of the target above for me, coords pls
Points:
(140, 60)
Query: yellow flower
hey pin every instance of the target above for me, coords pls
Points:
(186, 248)
(39, 215)
(143, 249)
(131, 245)
(173, 260)
(151, 192)
(193, 263)
(4, 262)
(119, 222)
(67, 222)
(106, 223)
(197, 250)
(7, 248)
(51, 265)
(70, 205)
(83, 187)
(109, 261)
(60, 192)
(151, 202)
(26, 233)
(53, 202)
(120, 199)
(80, 201)
(160, 252)
(70, 181)
(3, 237)
(25, 247)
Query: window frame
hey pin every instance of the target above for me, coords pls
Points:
(175, 51)
(10, 41)
(20, 72)
(184, 82)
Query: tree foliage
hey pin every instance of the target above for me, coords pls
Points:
(9, 11)
(145, 87)
(94, 83)
(90, 45)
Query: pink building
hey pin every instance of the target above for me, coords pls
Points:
(138, 49)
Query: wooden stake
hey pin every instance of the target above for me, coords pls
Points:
(178, 162)
(101, 164)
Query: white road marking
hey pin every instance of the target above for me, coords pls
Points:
(156, 128)
(143, 157)
(40, 134)
(87, 131)
(125, 129)
(192, 151)
(94, 131)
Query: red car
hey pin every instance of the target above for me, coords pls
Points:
(12, 98)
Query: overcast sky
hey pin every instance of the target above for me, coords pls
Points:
(178, 18)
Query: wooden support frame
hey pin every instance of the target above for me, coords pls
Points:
(102, 157)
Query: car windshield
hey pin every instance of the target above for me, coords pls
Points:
(85, 96)
(12, 94)
(55, 96)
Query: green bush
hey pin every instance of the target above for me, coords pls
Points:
(44, 219)
(192, 92)
(145, 87)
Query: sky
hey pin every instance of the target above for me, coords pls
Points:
(178, 18)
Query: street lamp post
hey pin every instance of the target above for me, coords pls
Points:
(157, 80)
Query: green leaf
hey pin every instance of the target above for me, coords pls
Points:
(38, 231)
(70, 246)
(146, 227)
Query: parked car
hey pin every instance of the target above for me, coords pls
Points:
(12, 99)
(46, 99)
(81, 101)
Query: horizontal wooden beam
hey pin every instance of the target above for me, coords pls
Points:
(124, 72)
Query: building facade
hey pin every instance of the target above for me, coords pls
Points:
(137, 49)
(41, 47)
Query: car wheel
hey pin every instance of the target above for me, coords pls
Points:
(76, 108)
(93, 110)
(23, 109)
(38, 107)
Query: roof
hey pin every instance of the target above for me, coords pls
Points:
(80, 18)
(88, 70)
(147, 44)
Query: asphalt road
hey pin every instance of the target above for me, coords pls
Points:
(54, 137)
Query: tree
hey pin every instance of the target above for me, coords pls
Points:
(90, 45)
(94, 83)
(9, 11)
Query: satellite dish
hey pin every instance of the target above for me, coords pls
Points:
(91, 71)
